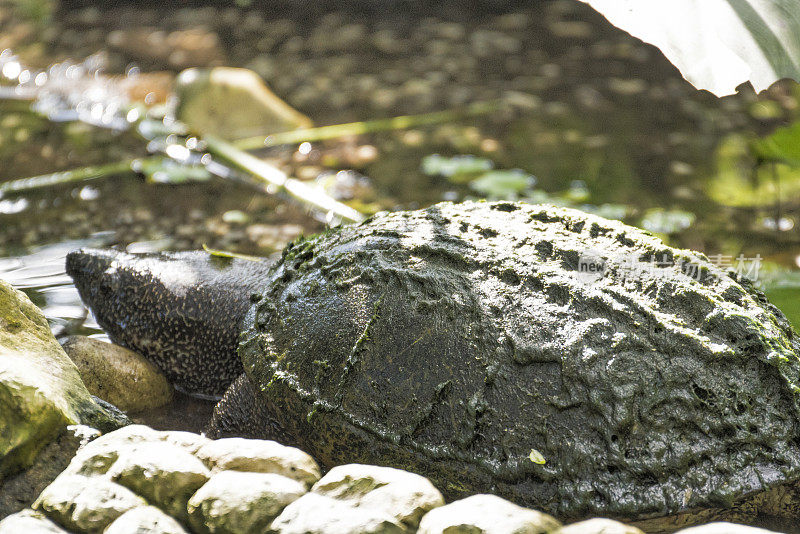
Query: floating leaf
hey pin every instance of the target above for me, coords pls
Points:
(662, 221)
(436, 165)
(609, 211)
(503, 184)
(536, 457)
(716, 44)
(226, 254)
(166, 171)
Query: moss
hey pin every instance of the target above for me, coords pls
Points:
(41, 391)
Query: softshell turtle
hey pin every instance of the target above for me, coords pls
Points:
(566, 362)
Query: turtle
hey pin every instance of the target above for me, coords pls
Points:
(563, 361)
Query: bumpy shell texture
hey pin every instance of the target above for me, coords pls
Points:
(468, 342)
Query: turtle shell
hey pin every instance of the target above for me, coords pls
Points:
(558, 359)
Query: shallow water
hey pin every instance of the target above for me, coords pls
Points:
(607, 123)
(602, 122)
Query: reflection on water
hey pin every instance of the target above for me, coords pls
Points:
(601, 122)
(42, 277)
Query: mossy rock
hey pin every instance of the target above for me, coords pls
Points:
(41, 391)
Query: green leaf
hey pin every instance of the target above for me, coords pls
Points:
(782, 145)
(503, 184)
(226, 254)
(436, 165)
(166, 171)
(739, 182)
(717, 44)
(536, 457)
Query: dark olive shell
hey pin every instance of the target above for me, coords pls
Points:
(567, 362)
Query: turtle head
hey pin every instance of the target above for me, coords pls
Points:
(95, 275)
(180, 310)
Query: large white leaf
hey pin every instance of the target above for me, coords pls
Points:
(716, 44)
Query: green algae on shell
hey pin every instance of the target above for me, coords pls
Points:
(453, 341)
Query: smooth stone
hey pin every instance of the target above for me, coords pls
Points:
(598, 526)
(403, 495)
(144, 520)
(118, 375)
(233, 103)
(259, 456)
(29, 522)
(82, 503)
(41, 390)
(235, 501)
(316, 514)
(486, 514)
(164, 474)
(99, 455)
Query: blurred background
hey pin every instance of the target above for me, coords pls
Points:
(574, 112)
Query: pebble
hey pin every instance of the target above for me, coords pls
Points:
(403, 495)
(29, 522)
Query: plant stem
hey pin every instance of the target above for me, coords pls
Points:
(277, 181)
(82, 174)
(366, 127)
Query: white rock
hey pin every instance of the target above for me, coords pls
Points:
(145, 519)
(316, 514)
(403, 495)
(29, 522)
(82, 503)
(598, 526)
(235, 501)
(166, 475)
(486, 514)
(259, 456)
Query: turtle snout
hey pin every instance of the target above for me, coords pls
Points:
(88, 263)
(92, 272)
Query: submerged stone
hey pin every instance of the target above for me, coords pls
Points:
(233, 103)
(118, 375)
